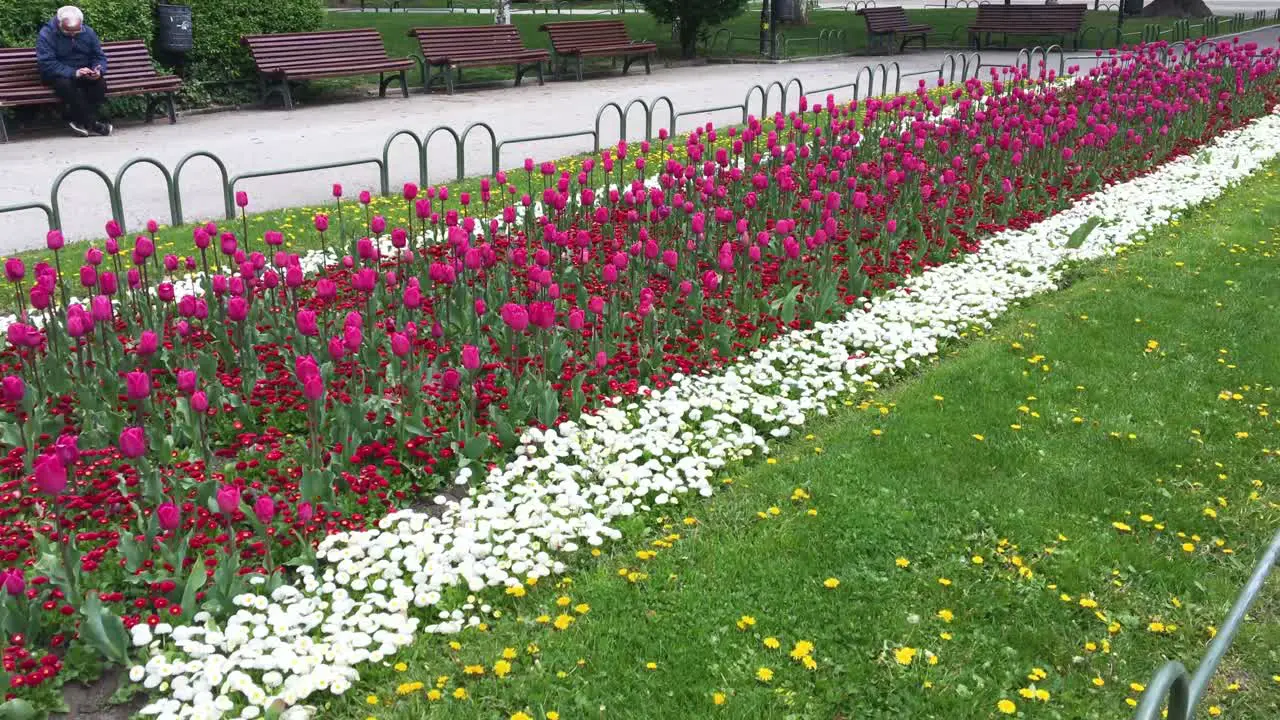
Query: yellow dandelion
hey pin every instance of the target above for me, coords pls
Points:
(718, 698)
(831, 583)
(764, 674)
(946, 615)
(772, 643)
(905, 655)
(901, 562)
(1006, 706)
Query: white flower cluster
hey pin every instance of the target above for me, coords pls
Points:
(566, 486)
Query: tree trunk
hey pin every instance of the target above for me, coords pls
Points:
(1177, 8)
(688, 38)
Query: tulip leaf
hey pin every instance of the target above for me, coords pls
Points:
(476, 447)
(1082, 233)
(104, 630)
(506, 434)
(17, 708)
(195, 581)
(12, 436)
(132, 552)
(548, 407)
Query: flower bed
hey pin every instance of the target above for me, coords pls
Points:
(234, 428)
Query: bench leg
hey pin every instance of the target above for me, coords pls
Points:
(382, 84)
(581, 60)
(541, 80)
(173, 112)
(288, 94)
(404, 83)
(519, 74)
(4, 132)
(448, 80)
(426, 77)
(151, 109)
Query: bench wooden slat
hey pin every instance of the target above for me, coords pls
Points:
(285, 57)
(892, 20)
(452, 48)
(1063, 20)
(597, 38)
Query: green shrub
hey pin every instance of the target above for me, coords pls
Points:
(219, 24)
(20, 20)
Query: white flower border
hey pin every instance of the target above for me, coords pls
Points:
(565, 486)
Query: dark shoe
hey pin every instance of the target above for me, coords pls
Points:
(78, 129)
(103, 128)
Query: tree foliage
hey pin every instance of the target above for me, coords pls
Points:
(692, 17)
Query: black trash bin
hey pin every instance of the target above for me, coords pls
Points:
(786, 10)
(1132, 7)
(173, 29)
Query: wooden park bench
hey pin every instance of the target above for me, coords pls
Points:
(1063, 21)
(452, 48)
(883, 23)
(583, 39)
(129, 72)
(283, 58)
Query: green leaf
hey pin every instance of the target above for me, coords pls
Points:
(1082, 233)
(104, 631)
(17, 709)
(195, 581)
(506, 433)
(12, 435)
(476, 447)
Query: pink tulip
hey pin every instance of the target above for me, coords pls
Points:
(138, 385)
(186, 381)
(13, 582)
(321, 222)
(237, 309)
(313, 389)
(199, 402)
(67, 449)
(228, 499)
(399, 344)
(168, 516)
(133, 442)
(410, 191)
(51, 474)
(15, 269)
(242, 199)
(54, 240)
(14, 389)
(515, 316)
(148, 343)
(113, 229)
(470, 357)
(450, 379)
(307, 325)
(305, 512)
(337, 190)
(377, 225)
(274, 238)
(264, 509)
(365, 197)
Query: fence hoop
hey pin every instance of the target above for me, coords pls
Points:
(168, 181)
(57, 185)
(386, 158)
(228, 201)
(462, 146)
(622, 122)
(457, 148)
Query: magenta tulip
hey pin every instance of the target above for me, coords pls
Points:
(307, 324)
(168, 516)
(471, 357)
(305, 512)
(515, 316)
(67, 449)
(15, 269)
(133, 442)
(54, 240)
(228, 499)
(14, 389)
(138, 385)
(264, 509)
(13, 582)
(242, 199)
(51, 474)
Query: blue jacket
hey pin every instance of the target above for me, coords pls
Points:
(60, 56)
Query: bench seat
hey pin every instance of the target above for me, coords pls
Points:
(450, 49)
(582, 39)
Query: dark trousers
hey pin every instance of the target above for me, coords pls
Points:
(82, 97)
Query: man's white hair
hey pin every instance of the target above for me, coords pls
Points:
(70, 16)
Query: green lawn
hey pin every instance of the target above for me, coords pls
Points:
(1060, 504)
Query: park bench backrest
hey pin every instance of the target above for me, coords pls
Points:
(477, 41)
(568, 37)
(323, 48)
(128, 66)
(885, 19)
(1054, 18)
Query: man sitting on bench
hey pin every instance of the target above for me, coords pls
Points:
(71, 62)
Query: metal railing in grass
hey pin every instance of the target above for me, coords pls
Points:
(1182, 691)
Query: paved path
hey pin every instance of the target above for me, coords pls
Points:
(252, 140)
